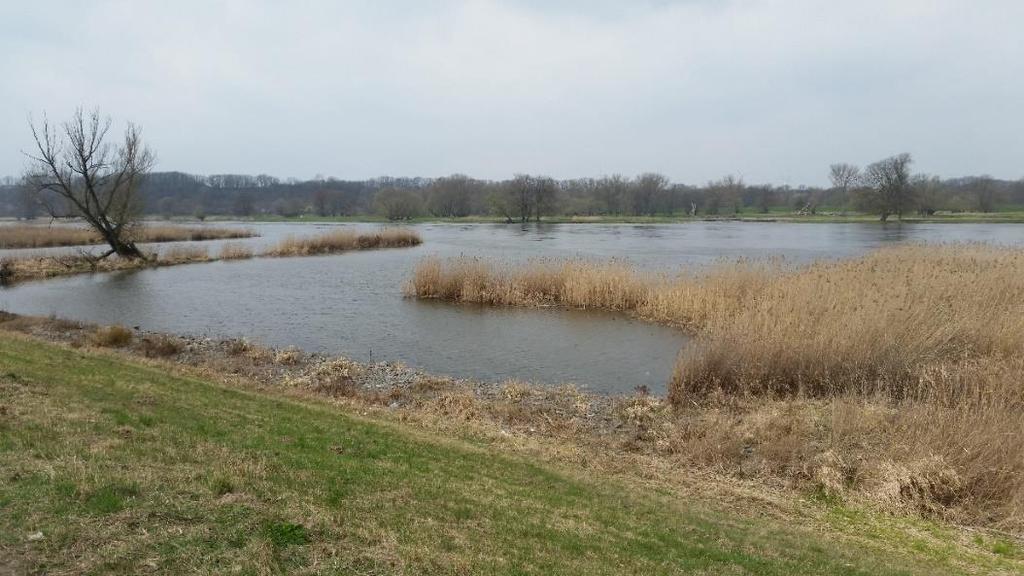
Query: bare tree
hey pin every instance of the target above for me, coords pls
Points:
(888, 187)
(398, 203)
(843, 177)
(726, 194)
(521, 189)
(545, 193)
(77, 166)
(646, 189)
(985, 193)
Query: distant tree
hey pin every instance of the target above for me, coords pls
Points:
(321, 202)
(242, 204)
(75, 163)
(928, 193)
(288, 207)
(843, 177)
(647, 188)
(502, 201)
(545, 195)
(610, 193)
(452, 196)
(520, 190)
(887, 188)
(398, 203)
(764, 197)
(724, 194)
(985, 193)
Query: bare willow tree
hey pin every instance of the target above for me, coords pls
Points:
(76, 166)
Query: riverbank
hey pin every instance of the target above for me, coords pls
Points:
(13, 270)
(122, 463)
(1003, 217)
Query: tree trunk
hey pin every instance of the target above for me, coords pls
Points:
(123, 248)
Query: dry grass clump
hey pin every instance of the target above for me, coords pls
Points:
(343, 241)
(188, 233)
(32, 268)
(41, 236)
(865, 325)
(871, 324)
(235, 251)
(45, 236)
(686, 301)
(183, 255)
(112, 336)
(895, 377)
(161, 346)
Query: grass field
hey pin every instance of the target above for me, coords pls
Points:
(114, 467)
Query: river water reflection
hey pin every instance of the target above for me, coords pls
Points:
(352, 304)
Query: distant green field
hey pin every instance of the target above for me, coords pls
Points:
(117, 468)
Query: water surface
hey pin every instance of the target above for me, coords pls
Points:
(352, 304)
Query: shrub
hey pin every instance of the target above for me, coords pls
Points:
(161, 346)
(112, 336)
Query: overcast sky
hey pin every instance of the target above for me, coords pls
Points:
(769, 90)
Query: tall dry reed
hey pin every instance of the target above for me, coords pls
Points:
(897, 376)
(343, 241)
(686, 301)
(43, 236)
(867, 324)
(40, 236)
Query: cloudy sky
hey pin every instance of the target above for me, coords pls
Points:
(770, 90)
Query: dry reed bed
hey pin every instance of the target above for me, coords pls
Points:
(865, 325)
(344, 241)
(34, 268)
(41, 236)
(896, 376)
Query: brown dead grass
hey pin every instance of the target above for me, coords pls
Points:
(895, 377)
(18, 269)
(343, 241)
(189, 233)
(45, 236)
(235, 251)
(685, 301)
(112, 336)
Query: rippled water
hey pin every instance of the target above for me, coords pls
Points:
(352, 303)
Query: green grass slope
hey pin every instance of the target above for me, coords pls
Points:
(124, 468)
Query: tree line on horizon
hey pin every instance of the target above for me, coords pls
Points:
(886, 188)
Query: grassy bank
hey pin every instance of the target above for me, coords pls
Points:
(895, 375)
(42, 236)
(33, 268)
(116, 467)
